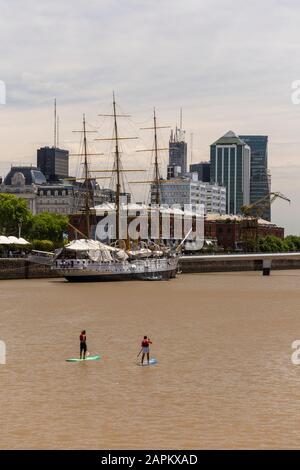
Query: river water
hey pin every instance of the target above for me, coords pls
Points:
(224, 377)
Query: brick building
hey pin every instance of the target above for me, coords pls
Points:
(231, 232)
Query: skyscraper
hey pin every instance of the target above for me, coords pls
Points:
(260, 180)
(177, 154)
(53, 163)
(202, 169)
(230, 167)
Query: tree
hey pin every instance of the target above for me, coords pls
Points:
(251, 245)
(289, 245)
(42, 245)
(48, 226)
(272, 244)
(293, 239)
(13, 214)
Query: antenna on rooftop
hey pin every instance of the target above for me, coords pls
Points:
(55, 124)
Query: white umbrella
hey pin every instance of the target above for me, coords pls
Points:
(17, 241)
(13, 240)
(4, 240)
(22, 241)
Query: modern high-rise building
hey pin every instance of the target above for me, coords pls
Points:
(53, 163)
(177, 154)
(190, 191)
(203, 171)
(260, 179)
(230, 167)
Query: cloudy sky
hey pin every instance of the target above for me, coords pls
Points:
(228, 64)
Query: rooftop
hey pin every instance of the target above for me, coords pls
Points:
(229, 138)
(238, 218)
(24, 176)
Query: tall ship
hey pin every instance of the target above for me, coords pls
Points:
(88, 259)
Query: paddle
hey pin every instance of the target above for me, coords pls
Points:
(139, 352)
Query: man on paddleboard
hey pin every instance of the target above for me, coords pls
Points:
(83, 346)
(146, 348)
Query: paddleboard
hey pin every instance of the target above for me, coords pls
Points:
(89, 358)
(151, 362)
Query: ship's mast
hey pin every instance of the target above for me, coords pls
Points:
(88, 191)
(118, 185)
(86, 182)
(156, 181)
(156, 165)
(117, 166)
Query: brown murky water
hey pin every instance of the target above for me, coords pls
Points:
(224, 377)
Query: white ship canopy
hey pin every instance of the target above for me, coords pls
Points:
(170, 210)
(137, 207)
(110, 207)
(96, 250)
(87, 245)
(141, 253)
(12, 241)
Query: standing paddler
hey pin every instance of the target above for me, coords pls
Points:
(145, 349)
(83, 346)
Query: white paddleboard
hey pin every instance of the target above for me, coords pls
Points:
(89, 358)
(152, 362)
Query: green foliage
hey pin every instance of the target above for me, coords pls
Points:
(293, 240)
(251, 246)
(47, 226)
(13, 211)
(272, 244)
(42, 245)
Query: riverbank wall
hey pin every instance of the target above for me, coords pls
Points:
(207, 266)
(20, 268)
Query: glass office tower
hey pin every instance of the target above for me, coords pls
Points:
(230, 167)
(260, 179)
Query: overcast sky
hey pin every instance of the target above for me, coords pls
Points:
(230, 65)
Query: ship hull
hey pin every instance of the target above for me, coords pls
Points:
(154, 270)
(120, 277)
